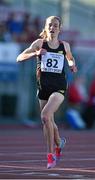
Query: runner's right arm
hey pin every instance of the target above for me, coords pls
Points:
(33, 50)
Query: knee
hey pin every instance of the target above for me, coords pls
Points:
(44, 117)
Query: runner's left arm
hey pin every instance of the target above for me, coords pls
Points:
(69, 57)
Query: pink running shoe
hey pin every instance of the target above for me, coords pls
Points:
(59, 150)
(51, 161)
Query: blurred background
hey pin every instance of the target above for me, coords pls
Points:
(21, 21)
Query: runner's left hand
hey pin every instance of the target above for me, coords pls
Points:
(74, 68)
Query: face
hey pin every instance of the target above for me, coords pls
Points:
(52, 27)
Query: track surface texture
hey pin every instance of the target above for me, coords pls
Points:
(23, 154)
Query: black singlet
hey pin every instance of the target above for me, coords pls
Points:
(52, 75)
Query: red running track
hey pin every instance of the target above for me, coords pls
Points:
(23, 155)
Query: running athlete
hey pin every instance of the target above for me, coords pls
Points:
(51, 56)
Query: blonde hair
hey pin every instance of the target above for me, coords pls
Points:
(43, 34)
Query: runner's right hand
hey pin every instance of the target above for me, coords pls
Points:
(41, 52)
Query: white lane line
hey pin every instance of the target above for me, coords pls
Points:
(41, 173)
(44, 169)
(23, 167)
(75, 170)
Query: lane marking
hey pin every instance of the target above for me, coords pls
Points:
(41, 173)
(44, 168)
(75, 170)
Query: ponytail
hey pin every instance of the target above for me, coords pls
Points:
(43, 34)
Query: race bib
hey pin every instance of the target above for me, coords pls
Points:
(52, 62)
